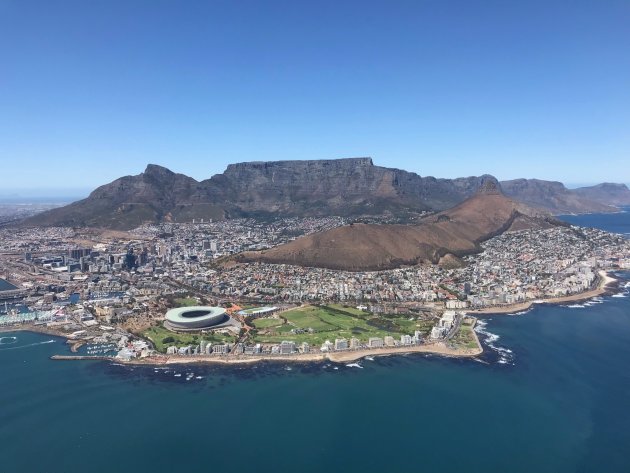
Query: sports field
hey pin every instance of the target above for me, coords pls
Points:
(327, 322)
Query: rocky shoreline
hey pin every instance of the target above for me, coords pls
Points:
(603, 287)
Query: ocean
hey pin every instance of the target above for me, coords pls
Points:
(6, 286)
(549, 394)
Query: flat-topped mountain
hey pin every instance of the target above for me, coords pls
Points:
(336, 187)
(440, 239)
(346, 187)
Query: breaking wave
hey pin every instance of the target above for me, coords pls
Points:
(11, 340)
(522, 312)
(506, 356)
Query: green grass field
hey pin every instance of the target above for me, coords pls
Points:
(266, 323)
(157, 335)
(308, 317)
(349, 309)
(335, 321)
(185, 302)
(465, 337)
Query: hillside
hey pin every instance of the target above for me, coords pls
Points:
(606, 193)
(441, 238)
(156, 195)
(553, 196)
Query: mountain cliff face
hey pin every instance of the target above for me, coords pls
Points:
(606, 193)
(336, 186)
(346, 187)
(255, 189)
(552, 196)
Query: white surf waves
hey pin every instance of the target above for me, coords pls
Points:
(506, 356)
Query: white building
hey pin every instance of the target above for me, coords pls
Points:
(438, 332)
(456, 304)
(327, 346)
(220, 349)
(287, 347)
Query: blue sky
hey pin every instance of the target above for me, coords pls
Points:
(92, 90)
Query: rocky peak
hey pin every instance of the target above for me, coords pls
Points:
(155, 170)
(489, 186)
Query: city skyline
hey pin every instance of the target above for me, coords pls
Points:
(94, 92)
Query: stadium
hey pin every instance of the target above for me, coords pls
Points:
(189, 319)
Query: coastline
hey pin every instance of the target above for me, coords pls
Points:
(347, 356)
(602, 288)
(437, 348)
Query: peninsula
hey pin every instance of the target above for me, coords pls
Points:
(337, 288)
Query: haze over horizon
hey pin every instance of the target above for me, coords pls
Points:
(93, 92)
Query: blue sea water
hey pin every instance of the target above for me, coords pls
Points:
(549, 394)
(6, 286)
(613, 222)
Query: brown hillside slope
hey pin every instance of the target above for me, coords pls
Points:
(361, 247)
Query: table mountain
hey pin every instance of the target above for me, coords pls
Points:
(346, 187)
(262, 189)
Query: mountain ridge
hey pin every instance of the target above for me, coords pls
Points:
(259, 189)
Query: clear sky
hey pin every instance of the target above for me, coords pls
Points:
(93, 90)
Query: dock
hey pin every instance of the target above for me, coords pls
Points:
(81, 357)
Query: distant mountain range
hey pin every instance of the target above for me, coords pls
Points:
(346, 187)
(441, 238)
